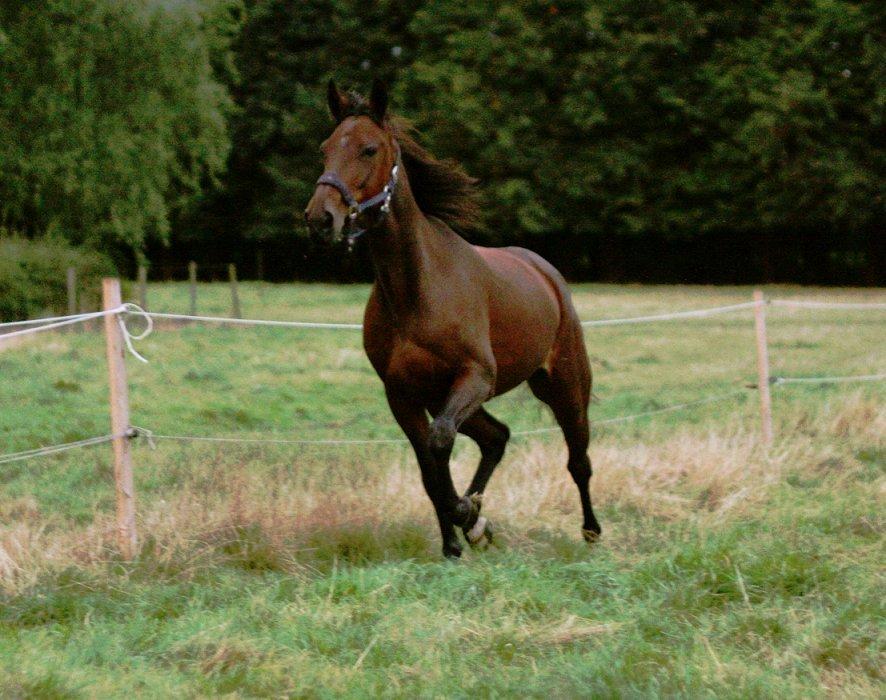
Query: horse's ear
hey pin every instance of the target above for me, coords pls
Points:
(378, 101)
(338, 103)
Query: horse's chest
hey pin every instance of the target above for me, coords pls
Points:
(414, 368)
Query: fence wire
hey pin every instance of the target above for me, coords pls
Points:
(54, 449)
(131, 311)
(151, 437)
(836, 305)
(830, 380)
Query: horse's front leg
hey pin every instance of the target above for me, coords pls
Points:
(473, 386)
(413, 420)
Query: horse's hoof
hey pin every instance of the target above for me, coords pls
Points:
(590, 536)
(480, 536)
(452, 552)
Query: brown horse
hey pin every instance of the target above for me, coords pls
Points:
(449, 325)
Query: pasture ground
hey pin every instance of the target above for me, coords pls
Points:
(273, 570)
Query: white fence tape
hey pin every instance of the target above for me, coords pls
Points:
(255, 321)
(57, 322)
(676, 315)
(46, 320)
(44, 324)
(696, 313)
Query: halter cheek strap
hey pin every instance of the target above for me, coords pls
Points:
(382, 200)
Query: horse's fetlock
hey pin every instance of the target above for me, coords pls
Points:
(466, 512)
(480, 536)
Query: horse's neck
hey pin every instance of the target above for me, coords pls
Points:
(400, 255)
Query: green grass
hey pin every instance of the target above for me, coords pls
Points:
(314, 571)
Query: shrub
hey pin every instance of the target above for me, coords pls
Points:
(33, 277)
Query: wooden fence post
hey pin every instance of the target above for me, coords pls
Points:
(143, 287)
(119, 396)
(192, 282)
(72, 298)
(235, 296)
(763, 367)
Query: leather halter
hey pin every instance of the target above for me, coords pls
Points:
(382, 200)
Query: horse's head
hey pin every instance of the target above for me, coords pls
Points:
(360, 165)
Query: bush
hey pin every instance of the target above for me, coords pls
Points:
(33, 277)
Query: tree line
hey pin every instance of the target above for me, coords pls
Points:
(660, 140)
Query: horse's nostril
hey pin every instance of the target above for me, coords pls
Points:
(318, 222)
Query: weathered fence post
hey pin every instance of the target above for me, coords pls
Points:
(235, 296)
(143, 287)
(72, 298)
(127, 539)
(192, 283)
(763, 367)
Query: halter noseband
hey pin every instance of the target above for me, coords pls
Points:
(382, 200)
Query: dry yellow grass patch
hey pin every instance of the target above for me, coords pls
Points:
(701, 475)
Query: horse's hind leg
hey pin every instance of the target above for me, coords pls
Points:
(567, 389)
(491, 437)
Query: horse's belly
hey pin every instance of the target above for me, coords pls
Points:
(517, 357)
(522, 336)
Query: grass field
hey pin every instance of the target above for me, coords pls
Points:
(314, 571)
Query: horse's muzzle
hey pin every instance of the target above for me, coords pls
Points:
(325, 214)
(320, 223)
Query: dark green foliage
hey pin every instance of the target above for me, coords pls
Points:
(606, 135)
(33, 277)
(111, 116)
(660, 140)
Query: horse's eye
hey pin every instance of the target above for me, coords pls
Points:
(369, 151)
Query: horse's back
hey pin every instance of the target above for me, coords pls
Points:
(535, 273)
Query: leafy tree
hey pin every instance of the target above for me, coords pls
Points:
(655, 139)
(616, 124)
(111, 117)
